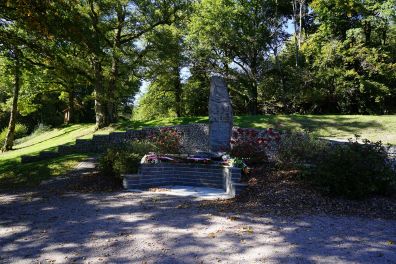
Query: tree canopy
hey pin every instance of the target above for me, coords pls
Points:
(85, 60)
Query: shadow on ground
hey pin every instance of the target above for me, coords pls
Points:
(135, 228)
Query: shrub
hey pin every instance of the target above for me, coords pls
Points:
(249, 152)
(249, 145)
(20, 131)
(300, 149)
(353, 170)
(124, 159)
(167, 140)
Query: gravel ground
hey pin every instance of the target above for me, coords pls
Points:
(122, 227)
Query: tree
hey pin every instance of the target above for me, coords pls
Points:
(106, 31)
(349, 54)
(165, 60)
(9, 142)
(234, 37)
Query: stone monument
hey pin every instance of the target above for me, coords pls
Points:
(220, 115)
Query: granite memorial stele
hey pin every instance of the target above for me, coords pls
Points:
(220, 116)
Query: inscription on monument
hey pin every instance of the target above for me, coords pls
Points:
(220, 115)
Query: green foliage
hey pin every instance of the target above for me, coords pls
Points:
(247, 145)
(195, 92)
(300, 149)
(354, 170)
(234, 38)
(20, 131)
(167, 141)
(78, 52)
(156, 103)
(125, 158)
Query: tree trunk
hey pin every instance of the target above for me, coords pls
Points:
(367, 32)
(301, 3)
(294, 2)
(71, 118)
(9, 141)
(253, 91)
(253, 101)
(111, 108)
(178, 92)
(114, 73)
(100, 103)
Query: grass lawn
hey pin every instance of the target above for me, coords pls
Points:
(374, 128)
(13, 173)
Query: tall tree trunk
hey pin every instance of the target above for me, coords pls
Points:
(253, 91)
(9, 141)
(294, 3)
(71, 110)
(301, 5)
(253, 105)
(111, 108)
(367, 31)
(100, 102)
(114, 73)
(178, 92)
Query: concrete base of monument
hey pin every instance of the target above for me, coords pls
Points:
(201, 193)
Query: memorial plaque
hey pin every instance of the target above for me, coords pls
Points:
(220, 115)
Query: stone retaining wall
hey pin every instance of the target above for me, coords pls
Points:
(199, 175)
(194, 137)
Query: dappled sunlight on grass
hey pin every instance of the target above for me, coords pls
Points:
(138, 124)
(373, 128)
(339, 126)
(13, 174)
(49, 140)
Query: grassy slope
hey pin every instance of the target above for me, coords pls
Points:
(337, 126)
(12, 173)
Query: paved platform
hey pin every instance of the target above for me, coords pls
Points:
(201, 193)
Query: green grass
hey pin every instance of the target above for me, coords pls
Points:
(49, 140)
(374, 128)
(13, 173)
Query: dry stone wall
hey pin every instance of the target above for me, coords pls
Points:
(194, 138)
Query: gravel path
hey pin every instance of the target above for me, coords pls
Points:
(140, 228)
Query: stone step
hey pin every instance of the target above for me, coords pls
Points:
(30, 158)
(48, 154)
(239, 187)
